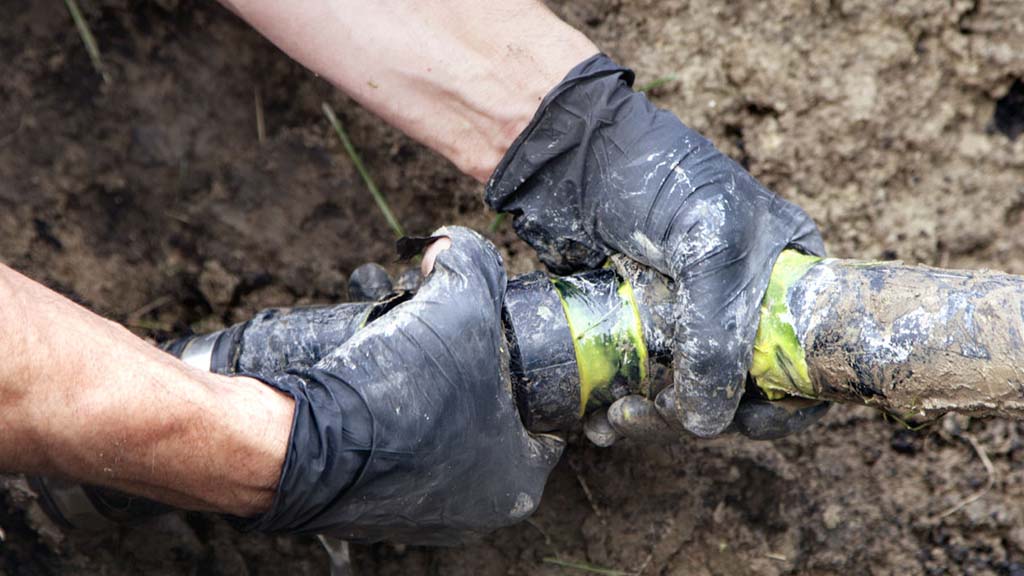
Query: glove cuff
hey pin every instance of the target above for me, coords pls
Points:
(547, 154)
(316, 471)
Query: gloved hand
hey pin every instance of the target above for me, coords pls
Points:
(601, 170)
(408, 431)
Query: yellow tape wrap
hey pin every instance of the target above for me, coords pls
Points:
(779, 366)
(607, 336)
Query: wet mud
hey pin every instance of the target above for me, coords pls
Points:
(152, 200)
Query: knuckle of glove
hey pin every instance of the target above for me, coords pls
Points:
(759, 419)
(471, 265)
(562, 251)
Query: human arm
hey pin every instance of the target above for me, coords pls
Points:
(402, 429)
(81, 397)
(463, 77)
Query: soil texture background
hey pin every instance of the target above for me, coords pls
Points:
(898, 126)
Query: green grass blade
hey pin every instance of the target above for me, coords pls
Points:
(87, 38)
(657, 82)
(496, 222)
(382, 202)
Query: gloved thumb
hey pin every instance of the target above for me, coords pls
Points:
(459, 259)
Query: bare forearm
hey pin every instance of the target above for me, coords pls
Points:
(82, 397)
(462, 76)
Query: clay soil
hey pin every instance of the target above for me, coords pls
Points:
(151, 200)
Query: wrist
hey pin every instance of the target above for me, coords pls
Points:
(471, 112)
(501, 104)
(462, 77)
(177, 435)
(261, 423)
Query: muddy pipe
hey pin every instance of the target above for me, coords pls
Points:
(911, 340)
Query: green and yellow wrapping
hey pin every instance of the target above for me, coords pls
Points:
(779, 366)
(607, 336)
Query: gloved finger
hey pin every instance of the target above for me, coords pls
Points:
(470, 263)
(599, 430)
(761, 419)
(368, 283)
(637, 418)
(539, 455)
(710, 366)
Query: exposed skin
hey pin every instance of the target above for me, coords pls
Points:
(461, 76)
(95, 403)
(83, 398)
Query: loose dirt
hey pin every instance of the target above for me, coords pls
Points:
(898, 127)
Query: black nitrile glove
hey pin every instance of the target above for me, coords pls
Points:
(601, 170)
(408, 431)
(279, 338)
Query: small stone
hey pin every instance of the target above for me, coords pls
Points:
(833, 516)
(904, 441)
(217, 285)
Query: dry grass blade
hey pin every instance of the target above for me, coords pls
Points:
(87, 38)
(586, 488)
(531, 522)
(261, 125)
(137, 315)
(989, 468)
(382, 203)
(586, 567)
(338, 553)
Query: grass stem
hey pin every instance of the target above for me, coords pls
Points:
(496, 222)
(88, 39)
(585, 567)
(382, 202)
(657, 82)
(261, 125)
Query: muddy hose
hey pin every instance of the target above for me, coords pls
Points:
(575, 342)
(911, 340)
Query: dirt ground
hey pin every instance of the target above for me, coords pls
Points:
(151, 200)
